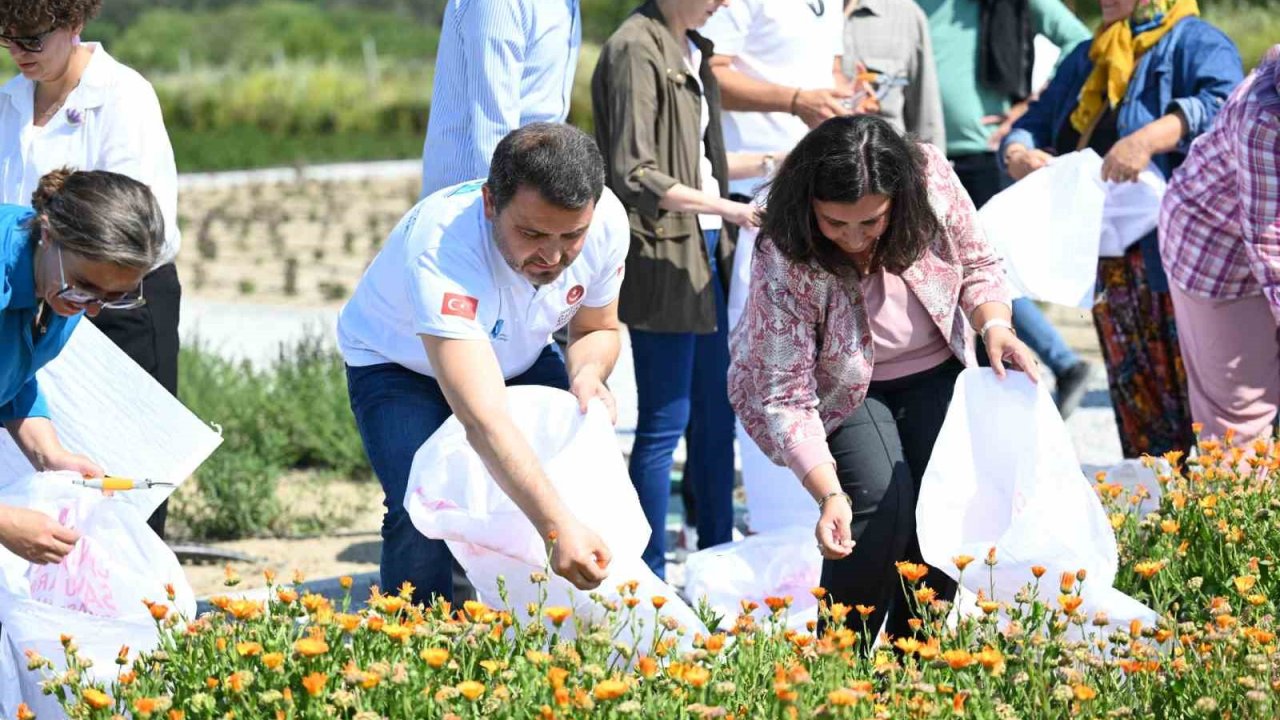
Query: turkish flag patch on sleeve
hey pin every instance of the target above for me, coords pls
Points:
(463, 306)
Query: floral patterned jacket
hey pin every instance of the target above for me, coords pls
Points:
(802, 354)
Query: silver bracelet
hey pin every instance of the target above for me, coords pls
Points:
(996, 322)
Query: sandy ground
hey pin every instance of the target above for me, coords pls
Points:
(283, 256)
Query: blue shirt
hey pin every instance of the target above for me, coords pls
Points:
(501, 64)
(21, 352)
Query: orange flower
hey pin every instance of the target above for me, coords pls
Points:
(1169, 527)
(1070, 603)
(314, 683)
(842, 697)
(288, 596)
(470, 689)
(311, 647)
(248, 649)
(991, 557)
(25, 713)
(177, 715)
(658, 601)
(557, 614)
(962, 561)
(908, 646)
(647, 666)
(991, 659)
(556, 677)
(912, 572)
(244, 609)
(1244, 583)
(926, 595)
(839, 611)
(1084, 693)
(697, 676)
(435, 657)
(1148, 568)
(715, 643)
(988, 606)
(1037, 571)
(345, 582)
(957, 659)
(158, 611)
(235, 681)
(609, 690)
(96, 699)
(474, 609)
(777, 604)
(818, 592)
(271, 661)
(865, 610)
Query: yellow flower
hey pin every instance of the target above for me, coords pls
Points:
(244, 609)
(926, 595)
(908, 646)
(273, 660)
(1245, 583)
(435, 657)
(470, 689)
(1084, 693)
(398, 632)
(697, 676)
(957, 659)
(474, 608)
(912, 572)
(1117, 520)
(1169, 527)
(842, 697)
(96, 699)
(609, 690)
(248, 649)
(311, 647)
(1148, 568)
(962, 561)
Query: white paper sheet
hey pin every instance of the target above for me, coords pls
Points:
(109, 409)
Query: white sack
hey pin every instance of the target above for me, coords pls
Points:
(452, 497)
(740, 281)
(1003, 474)
(1131, 212)
(775, 498)
(778, 563)
(1046, 227)
(95, 595)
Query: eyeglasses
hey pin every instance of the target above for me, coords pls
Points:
(78, 296)
(28, 43)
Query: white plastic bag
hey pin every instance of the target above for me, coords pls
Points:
(779, 563)
(775, 498)
(1132, 210)
(1004, 475)
(95, 595)
(452, 497)
(1046, 227)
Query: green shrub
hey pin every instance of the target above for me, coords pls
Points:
(293, 415)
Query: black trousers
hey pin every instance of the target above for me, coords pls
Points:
(149, 335)
(881, 453)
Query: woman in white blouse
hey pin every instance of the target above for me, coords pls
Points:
(73, 105)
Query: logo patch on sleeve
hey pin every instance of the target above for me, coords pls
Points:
(463, 306)
(575, 294)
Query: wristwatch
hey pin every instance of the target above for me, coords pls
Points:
(768, 165)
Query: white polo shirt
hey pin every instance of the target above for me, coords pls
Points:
(441, 274)
(110, 121)
(785, 42)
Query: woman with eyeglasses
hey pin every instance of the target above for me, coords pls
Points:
(83, 250)
(73, 105)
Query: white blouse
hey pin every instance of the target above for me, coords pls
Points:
(110, 121)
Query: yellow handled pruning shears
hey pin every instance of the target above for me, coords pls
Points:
(119, 483)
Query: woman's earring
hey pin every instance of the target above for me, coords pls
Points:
(76, 40)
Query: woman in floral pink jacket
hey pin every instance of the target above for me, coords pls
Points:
(870, 270)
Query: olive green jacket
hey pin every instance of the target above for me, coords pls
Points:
(648, 113)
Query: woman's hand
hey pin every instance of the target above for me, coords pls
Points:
(64, 460)
(34, 536)
(744, 215)
(1126, 159)
(1022, 161)
(835, 538)
(1003, 346)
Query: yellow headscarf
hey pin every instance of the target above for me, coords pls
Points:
(1115, 54)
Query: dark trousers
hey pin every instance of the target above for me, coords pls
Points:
(682, 389)
(149, 335)
(881, 453)
(396, 410)
(982, 179)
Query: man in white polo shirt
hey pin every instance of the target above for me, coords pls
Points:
(462, 302)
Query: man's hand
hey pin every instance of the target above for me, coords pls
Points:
(1127, 159)
(815, 107)
(1021, 161)
(34, 536)
(1004, 123)
(587, 386)
(579, 555)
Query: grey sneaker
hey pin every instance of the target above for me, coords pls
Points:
(1072, 385)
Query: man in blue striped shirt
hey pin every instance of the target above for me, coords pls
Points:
(502, 64)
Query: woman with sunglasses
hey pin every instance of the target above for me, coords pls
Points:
(73, 105)
(84, 249)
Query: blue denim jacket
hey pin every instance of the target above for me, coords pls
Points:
(21, 352)
(1193, 68)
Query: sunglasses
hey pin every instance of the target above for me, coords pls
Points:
(78, 296)
(27, 43)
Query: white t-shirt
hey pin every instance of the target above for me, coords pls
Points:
(706, 174)
(784, 42)
(441, 274)
(110, 121)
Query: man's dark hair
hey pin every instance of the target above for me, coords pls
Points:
(560, 161)
(844, 160)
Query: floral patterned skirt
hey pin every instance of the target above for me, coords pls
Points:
(1144, 364)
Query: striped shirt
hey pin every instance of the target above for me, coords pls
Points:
(1220, 219)
(501, 64)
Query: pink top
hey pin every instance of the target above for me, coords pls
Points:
(802, 353)
(905, 337)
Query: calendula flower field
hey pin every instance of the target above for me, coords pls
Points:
(1202, 555)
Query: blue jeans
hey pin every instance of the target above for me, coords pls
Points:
(396, 410)
(682, 383)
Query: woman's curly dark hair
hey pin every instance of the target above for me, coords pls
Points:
(32, 16)
(844, 160)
